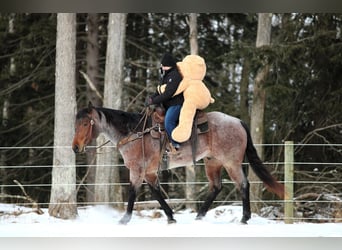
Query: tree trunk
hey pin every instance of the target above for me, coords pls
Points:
(107, 170)
(244, 114)
(193, 33)
(92, 59)
(5, 111)
(63, 191)
(190, 171)
(3, 158)
(259, 97)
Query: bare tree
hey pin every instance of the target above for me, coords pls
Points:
(5, 108)
(193, 33)
(244, 114)
(190, 172)
(92, 60)
(63, 190)
(259, 98)
(107, 170)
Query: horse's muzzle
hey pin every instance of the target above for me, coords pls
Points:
(76, 149)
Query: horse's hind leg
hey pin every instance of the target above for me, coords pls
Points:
(245, 198)
(156, 192)
(239, 177)
(153, 183)
(246, 214)
(213, 171)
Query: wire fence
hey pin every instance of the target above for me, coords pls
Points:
(310, 205)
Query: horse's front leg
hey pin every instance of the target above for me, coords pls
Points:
(131, 199)
(136, 180)
(153, 183)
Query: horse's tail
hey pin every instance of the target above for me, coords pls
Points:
(259, 168)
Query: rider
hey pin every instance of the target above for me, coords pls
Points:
(172, 104)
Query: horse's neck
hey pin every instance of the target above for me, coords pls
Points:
(113, 133)
(106, 128)
(110, 133)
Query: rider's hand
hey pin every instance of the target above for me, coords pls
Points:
(148, 101)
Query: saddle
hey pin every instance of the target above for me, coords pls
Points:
(200, 123)
(199, 126)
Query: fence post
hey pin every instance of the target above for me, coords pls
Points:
(288, 165)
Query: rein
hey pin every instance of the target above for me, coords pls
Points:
(136, 136)
(139, 135)
(132, 136)
(100, 146)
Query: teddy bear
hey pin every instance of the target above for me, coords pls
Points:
(196, 94)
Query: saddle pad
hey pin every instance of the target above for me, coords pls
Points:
(201, 117)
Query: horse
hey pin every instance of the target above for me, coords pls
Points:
(225, 145)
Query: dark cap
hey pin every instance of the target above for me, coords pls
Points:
(168, 60)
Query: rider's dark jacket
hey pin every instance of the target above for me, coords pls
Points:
(171, 78)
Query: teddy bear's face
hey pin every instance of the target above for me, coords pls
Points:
(192, 67)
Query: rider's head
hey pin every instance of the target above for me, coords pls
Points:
(168, 61)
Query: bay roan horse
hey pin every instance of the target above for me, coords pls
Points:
(224, 146)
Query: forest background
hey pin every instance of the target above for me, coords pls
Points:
(302, 90)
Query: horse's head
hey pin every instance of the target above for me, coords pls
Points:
(84, 129)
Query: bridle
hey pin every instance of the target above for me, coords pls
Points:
(90, 133)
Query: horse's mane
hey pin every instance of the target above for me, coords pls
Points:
(124, 122)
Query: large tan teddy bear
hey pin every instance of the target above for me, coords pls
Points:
(196, 94)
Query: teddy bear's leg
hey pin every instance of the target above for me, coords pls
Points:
(183, 131)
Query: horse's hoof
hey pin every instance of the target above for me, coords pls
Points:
(199, 217)
(245, 218)
(243, 221)
(124, 220)
(171, 221)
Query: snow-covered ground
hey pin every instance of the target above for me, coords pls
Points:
(102, 221)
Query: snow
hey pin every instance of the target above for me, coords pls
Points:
(102, 221)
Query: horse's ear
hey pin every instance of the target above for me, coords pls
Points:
(90, 106)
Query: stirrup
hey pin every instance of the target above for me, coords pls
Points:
(172, 150)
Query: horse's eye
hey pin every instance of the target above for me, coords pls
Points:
(85, 124)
